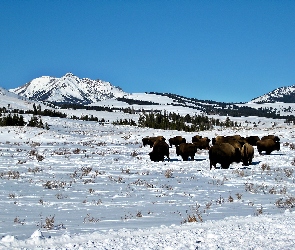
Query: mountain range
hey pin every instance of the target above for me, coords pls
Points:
(72, 90)
(68, 89)
(282, 94)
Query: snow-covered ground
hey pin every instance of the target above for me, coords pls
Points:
(284, 109)
(82, 185)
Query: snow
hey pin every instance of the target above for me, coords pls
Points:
(279, 92)
(283, 109)
(68, 86)
(151, 97)
(264, 232)
(95, 187)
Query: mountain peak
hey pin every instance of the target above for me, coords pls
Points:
(282, 94)
(68, 88)
(69, 74)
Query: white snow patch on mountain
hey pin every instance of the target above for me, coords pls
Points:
(68, 88)
(275, 94)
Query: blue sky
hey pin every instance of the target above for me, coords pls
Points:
(231, 51)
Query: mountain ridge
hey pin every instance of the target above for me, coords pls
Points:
(282, 94)
(68, 89)
(72, 89)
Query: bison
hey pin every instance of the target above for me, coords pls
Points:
(267, 145)
(237, 143)
(217, 139)
(151, 140)
(196, 138)
(252, 139)
(202, 143)
(225, 154)
(185, 150)
(236, 137)
(177, 140)
(223, 139)
(247, 154)
(273, 137)
(160, 149)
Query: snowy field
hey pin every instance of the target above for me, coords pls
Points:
(81, 185)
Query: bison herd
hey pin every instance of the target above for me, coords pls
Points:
(224, 149)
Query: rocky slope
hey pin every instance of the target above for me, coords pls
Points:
(68, 89)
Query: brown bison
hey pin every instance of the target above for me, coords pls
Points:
(267, 145)
(196, 138)
(247, 154)
(233, 140)
(236, 137)
(151, 140)
(186, 150)
(160, 149)
(202, 143)
(223, 139)
(177, 140)
(225, 154)
(252, 139)
(217, 139)
(273, 137)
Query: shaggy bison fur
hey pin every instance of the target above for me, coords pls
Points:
(273, 137)
(268, 145)
(225, 154)
(224, 139)
(177, 140)
(233, 140)
(247, 154)
(186, 150)
(202, 143)
(151, 140)
(196, 138)
(252, 139)
(160, 149)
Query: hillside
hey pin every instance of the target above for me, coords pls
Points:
(70, 91)
(283, 94)
(85, 184)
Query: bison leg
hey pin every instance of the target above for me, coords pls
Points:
(225, 165)
(185, 157)
(212, 164)
(168, 157)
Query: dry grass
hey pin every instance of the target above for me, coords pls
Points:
(134, 153)
(169, 173)
(288, 202)
(90, 219)
(230, 199)
(265, 167)
(259, 211)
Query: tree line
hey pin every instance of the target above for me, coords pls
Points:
(173, 121)
(18, 120)
(152, 118)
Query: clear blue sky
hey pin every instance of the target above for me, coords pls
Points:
(231, 51)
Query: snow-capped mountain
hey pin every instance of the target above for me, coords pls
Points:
(68, 89)
(6, 93)
(282, 94)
